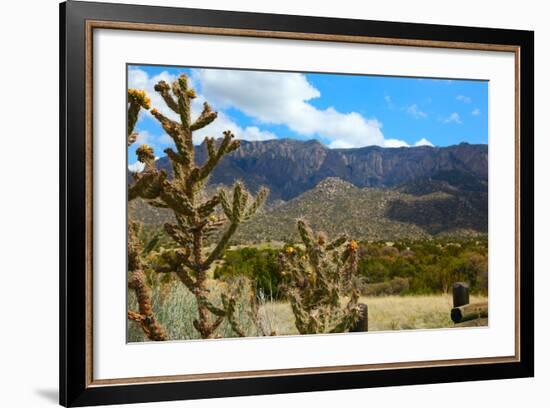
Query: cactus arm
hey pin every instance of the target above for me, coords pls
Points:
(145, 316)
(171, 127)
(180, 135)
(221, 245)
(186, 279)
(136, 100)
(176, 199)
(229, 305)
(209, 206)
(210, 306)
(157, 203)
(149, 323)
(260, 199)
(350, 315)
(337, 243)
(178, 234)
(184, 96)
(224, 201)
(180, 163)
(148, 186)
(301, 316)
(206, 117)
(236, 213)
(133, 113)
(164, 91)
(214, 156)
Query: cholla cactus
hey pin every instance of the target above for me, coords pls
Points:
(136, 100)
(137, 282)
(318, 279)
(196, 217)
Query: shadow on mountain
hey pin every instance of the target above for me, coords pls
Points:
(370, 193)
(439, 213)
(291, 167)
(449, 181)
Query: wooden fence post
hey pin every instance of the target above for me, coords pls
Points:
(362, 324)
(470, 311)
(461, 294)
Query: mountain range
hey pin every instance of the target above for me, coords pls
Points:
(370, 192)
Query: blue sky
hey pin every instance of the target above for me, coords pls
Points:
(341, 111)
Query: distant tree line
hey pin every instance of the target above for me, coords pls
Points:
(401, 267)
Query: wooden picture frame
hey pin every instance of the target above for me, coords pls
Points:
(78, 20)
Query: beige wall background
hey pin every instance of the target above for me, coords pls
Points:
(29, 201)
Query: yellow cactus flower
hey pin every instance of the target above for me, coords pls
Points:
(289, 250)
(146, 102)
(145, 153)
(139, 97)
(353, 245)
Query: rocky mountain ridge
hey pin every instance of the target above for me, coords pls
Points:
(290, 167)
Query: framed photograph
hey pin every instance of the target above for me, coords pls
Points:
(257, 204)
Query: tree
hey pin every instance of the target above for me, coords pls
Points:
(197, 216)
(318, 279)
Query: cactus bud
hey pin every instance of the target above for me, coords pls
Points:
(145, 153)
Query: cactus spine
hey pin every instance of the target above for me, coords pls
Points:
(317, 280)
(196, 217)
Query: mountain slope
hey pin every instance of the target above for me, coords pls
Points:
(336, 207)
(370, 193)
(291, 167)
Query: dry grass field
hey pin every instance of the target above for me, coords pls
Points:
(175, 309)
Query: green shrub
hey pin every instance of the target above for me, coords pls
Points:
(430, 266)
(396, 286)
(259, 265)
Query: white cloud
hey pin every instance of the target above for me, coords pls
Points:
(453, 118)
(144, 137)
(395, 143)
(268, 97)
(402, 143)
(476, 112)
(463, 98)
(223, 123)
(389, 102)
(282, 98)
(424, 142)
(340, 144)
(136, 167)
(254, 133)
(416, 112)
(139, 79)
